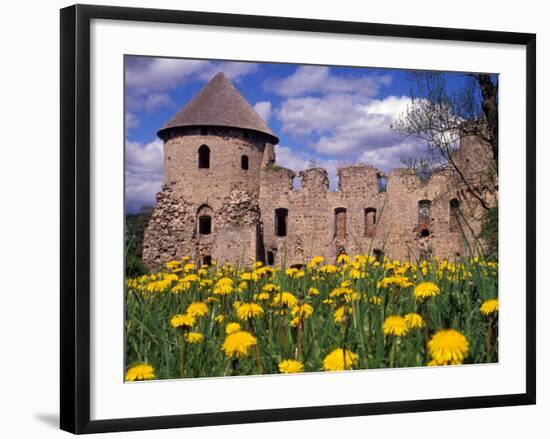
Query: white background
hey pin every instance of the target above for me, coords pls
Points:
(30, 204)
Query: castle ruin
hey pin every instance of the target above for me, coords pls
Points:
(225, 199)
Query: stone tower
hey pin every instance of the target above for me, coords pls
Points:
(208, 209)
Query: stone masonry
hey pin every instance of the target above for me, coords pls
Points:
(224, 199)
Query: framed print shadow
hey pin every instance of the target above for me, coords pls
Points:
(274, 218)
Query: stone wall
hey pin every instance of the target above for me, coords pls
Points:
(362, 216)
(365, 216)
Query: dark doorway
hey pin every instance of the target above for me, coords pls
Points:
(281, 217)
(205, 225)
(204, 157)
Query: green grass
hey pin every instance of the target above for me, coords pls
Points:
(151, 339)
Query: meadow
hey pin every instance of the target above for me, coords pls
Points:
(358, 313)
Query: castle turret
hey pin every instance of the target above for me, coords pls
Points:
(213, 153)
(217, 137)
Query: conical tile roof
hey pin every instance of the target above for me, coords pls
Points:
(219, 103)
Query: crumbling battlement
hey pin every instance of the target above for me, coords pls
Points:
(226, 200)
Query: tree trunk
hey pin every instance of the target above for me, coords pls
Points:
(489, 92)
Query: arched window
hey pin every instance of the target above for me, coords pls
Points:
(244, 162)
(205, 225)
(281, 217)
(204, 219)
(270, 258)
(370, 222)
(207, 260)
(204, 157)
(454, 212)
(340, 223)
(424, 215)
(382, 182)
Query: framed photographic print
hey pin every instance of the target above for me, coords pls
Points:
(284, 218)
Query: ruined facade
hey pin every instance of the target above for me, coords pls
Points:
(224, 199)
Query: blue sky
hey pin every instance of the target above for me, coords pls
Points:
(323, 116)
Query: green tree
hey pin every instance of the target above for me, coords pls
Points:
(135, 224)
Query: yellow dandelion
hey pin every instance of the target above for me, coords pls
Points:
(425, 290)
(237, 344)
(246, 311)
(183, 321)
(340, 291)
(189, 267)
(194, 337)
(262, 297)
(448, 347)
(414, 320)
(489, 307)
(295, 322)
(246, 276)
(340, 315)
(343, 259)
(190, 278)
(173, 264)
(285, 299)
(303, 311)
(394, 281)
(313, 291)
(336, 360)
(232, 327)
(197, 309)
(140, 372)
(316, 260)
(220, 318)
(291, 366)
(269, 288)
(224, 286)
(329, 269)
(291, 271)
(395, 325)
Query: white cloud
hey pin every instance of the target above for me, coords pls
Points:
(132, 121)
(315, 79)
(143, 173)
(149, 81)
(144, 157)
(390, 157)
(162, 74)
(263, 108)
(155, 101)
(349, 127)
(140, 190)
(235, 70)
(316, 115)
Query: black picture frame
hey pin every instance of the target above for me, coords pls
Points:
(75, 217)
